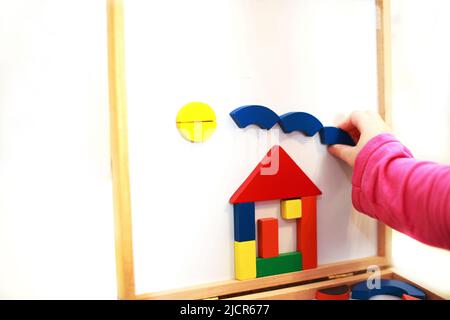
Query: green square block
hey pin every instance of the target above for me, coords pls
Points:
(284, 263)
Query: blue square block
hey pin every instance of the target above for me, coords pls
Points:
(244, 221)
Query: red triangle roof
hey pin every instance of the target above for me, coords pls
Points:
(268, 183)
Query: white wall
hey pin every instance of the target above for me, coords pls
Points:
(421, 115)
(56, 226)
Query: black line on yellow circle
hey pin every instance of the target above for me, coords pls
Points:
(196, 121)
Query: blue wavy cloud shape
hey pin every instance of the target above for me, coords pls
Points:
(261, 116)
(332, 135)
(306, 123)
(300, 121)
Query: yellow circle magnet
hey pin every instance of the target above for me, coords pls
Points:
(196, 121)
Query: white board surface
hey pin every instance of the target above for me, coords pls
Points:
(314, 56)
(56, 205)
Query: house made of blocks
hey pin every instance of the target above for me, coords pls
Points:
(276, 177)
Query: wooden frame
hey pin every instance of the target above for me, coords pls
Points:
(308, 291)
(119, 151)
(121, 181)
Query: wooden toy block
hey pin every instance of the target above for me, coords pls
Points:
(261, 116)
(332, 135)
(268, 238)
(244, 221)
(197, 131)
(335, 293)
(300, 121)
(307, 233)
(407, 297)
(291, 209)
(195, 111)
(387, 287)
(245, 260)
(284, 263)
(196, 121)
(276, 177)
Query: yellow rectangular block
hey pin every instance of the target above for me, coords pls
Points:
(291, 209)
(245, 260)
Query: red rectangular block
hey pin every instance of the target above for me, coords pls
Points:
(307, 233)
(268, 238)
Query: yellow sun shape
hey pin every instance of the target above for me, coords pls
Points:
(196, 121)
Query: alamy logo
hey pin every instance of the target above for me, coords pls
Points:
(374, 282)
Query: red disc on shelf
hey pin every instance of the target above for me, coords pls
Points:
(335, 293)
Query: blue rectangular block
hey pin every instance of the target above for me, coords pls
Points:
(244, 221)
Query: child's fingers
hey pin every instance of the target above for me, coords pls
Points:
(350, 128)
(343, 152)
(361, 126)
(347, 125)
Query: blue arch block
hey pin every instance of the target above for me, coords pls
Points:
(261, 116)
(332, 135)
(388, 287)
(300, 121)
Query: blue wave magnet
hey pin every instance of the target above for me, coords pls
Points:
(387, 286)
(261, 116)
(300, 121)
(332, 135)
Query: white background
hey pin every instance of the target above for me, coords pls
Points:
(56, 221)
(421, 97)
(56, 227)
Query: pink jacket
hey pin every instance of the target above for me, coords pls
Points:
(410, 196)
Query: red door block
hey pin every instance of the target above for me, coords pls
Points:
(268, 238)
(307, 233)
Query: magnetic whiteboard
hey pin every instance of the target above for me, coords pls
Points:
(317, 56)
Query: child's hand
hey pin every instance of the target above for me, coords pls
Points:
(362, 126)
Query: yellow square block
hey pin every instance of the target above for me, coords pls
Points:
(245, 260)
(291, 209)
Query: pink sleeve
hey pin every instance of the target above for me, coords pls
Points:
(410, 196)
